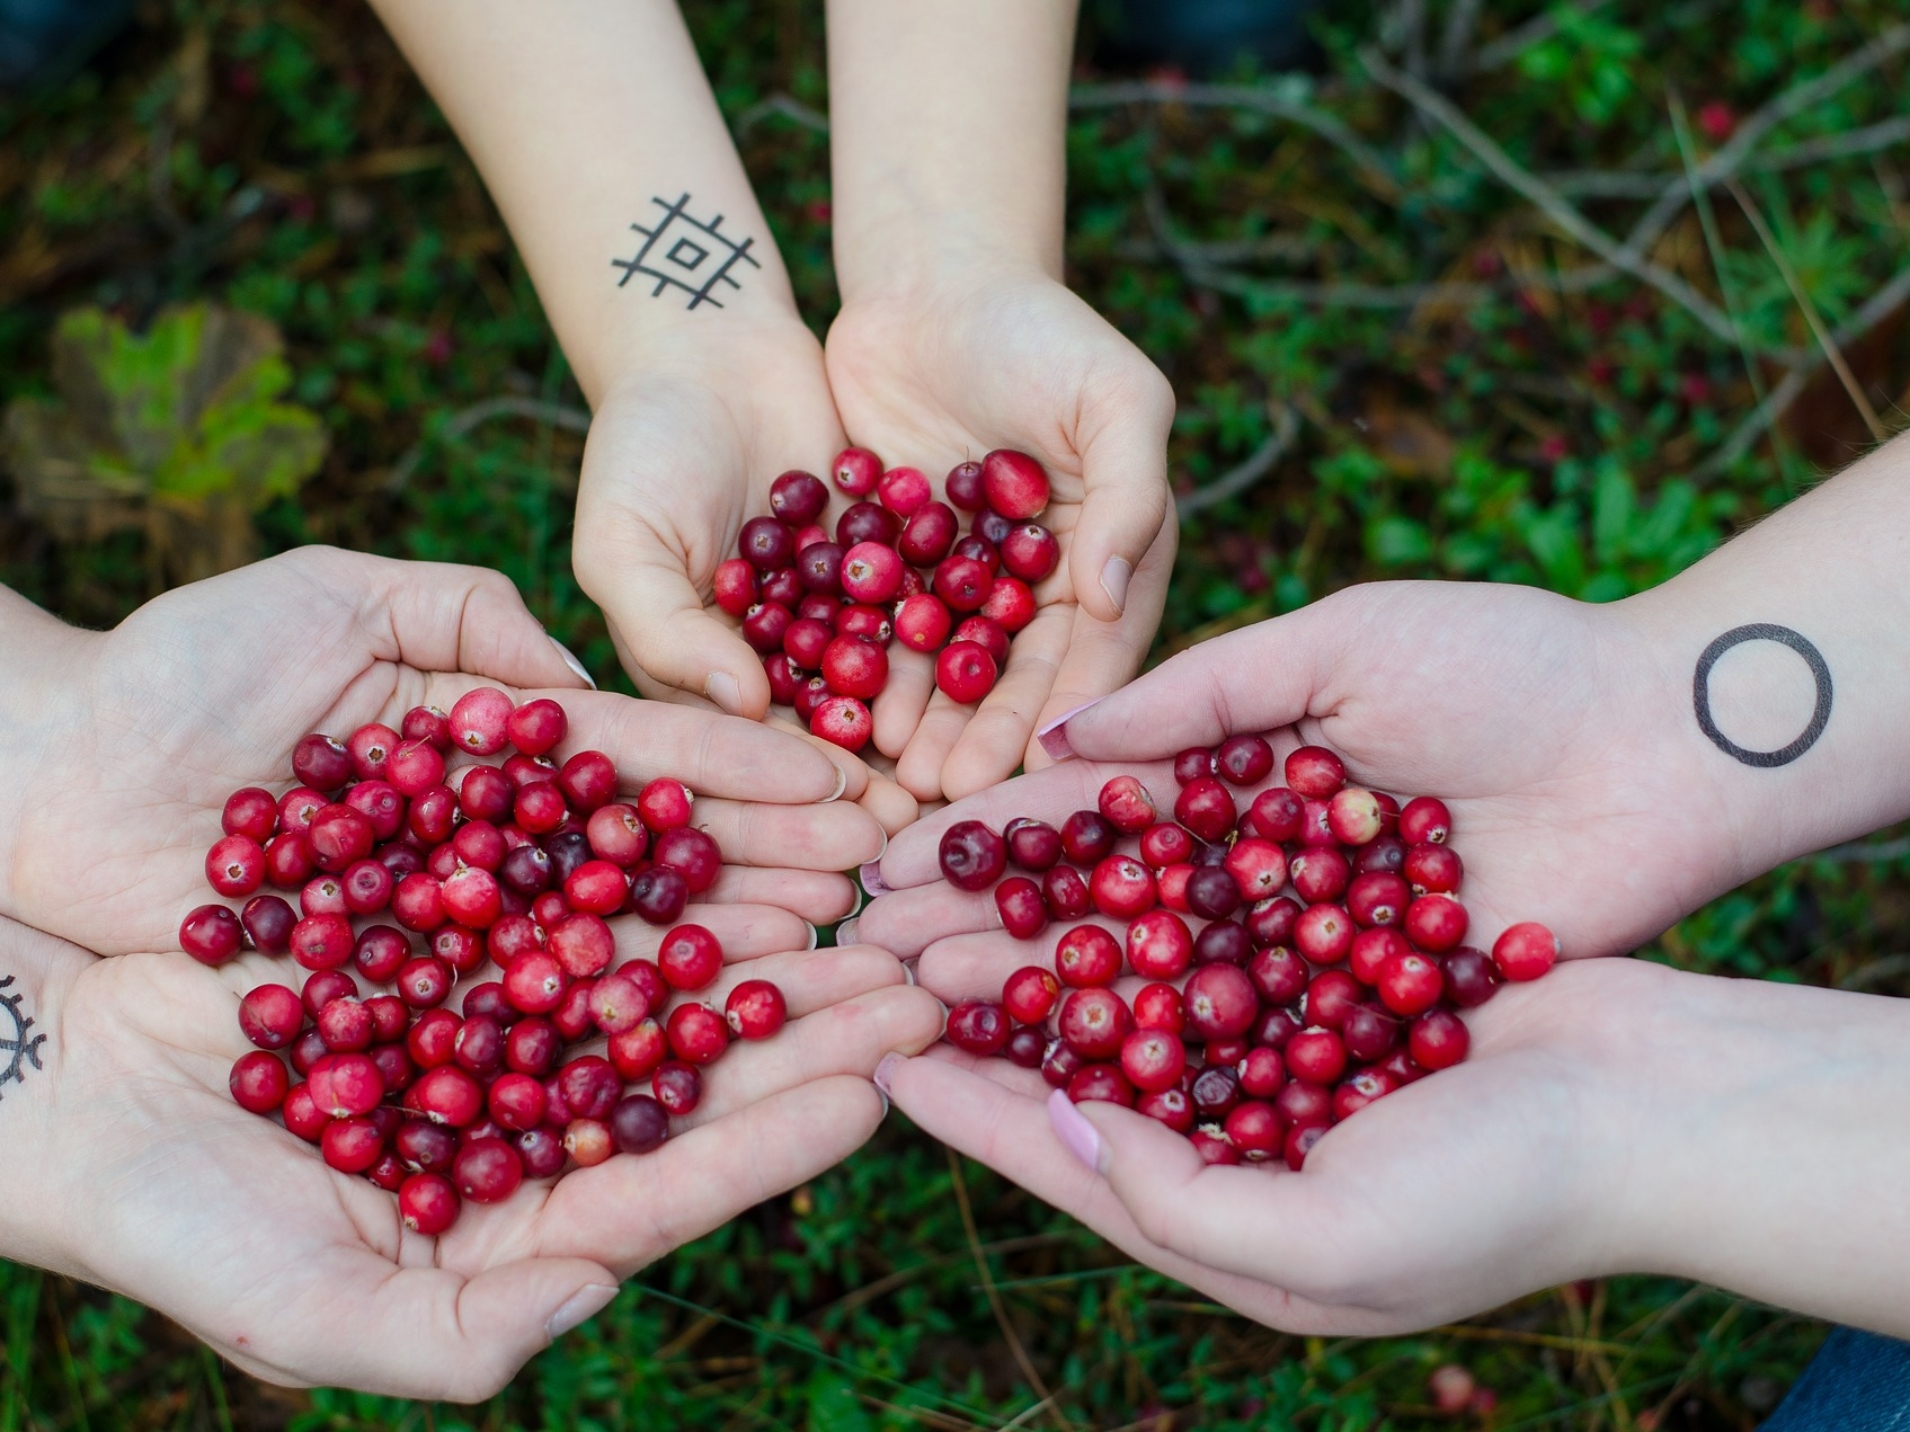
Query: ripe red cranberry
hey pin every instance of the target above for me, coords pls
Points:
(1369, 1033)
(639, 1124)
(1010, 607)
(424, 983)
(690, 958)
(856, 471)
(1435, 923)
(1401, 1068)
(819, 573)
(542, 1151)
(1385, 853)
(1216, 1089)
(1030, 994)
(1153, 1059)
(854, 667)
(433, 1039)
(1030, 552)
(1126, 805)
(1094, 1023)
(271, 1016)
(678, 1087)
(734, 586)
(235, 866)
(616, 833)
(988, 635)
(517, 1102)
(1320, 873)
(1013, 484)
(1372, 949)
(843, 721)
(1121, 887)
(781, 588)
(588, 781)
(597, 888)
(346, 1086)
(1159, 1006)
(267, 922)
(1066, 893)
(978, 1027)
(659, 895)
(697, 1033)
(477, 721)
(1471, 977)
(1023, 912)
(765, 625)
(321, 763)
(423, 1146)
(1159, 945)
(805, 641)
(1329, 996)
(472, 898)
(692, 853)
(1262, 1073)
(428, 1204)
(1025, 1047)
(1103, 1083)
(1301, 1103)
(1315, 772)
(972, 856)
(1258, 867)
(1377, 898)
(535, 984)
(965, 672)
(589, 1086)
(479, 1047)
(487, 1171)
(1438, 1039)
(1523, 952)
(1277, 814)
(1224, 942)
(1324, 934)
(1279, 975)
(319, 942)
(962, 582)
(457, 948)
(664, 804)
(345, 1025)
(1033, 845)
(1316, 1055)
(797, 498)
(1300, 1141)
(1206, 808)
(351, 1145)
(1274, 1027)
(323, 895)
(755, 1009)
(1410, 983)
(288, 860)
(616, 1004)
(1087, 837)
(252, 813)
(765, 544)
(977, 548)
(1432, 869)
(1165, 843)
(367, 886)
(379, 803)
(1425, 820)
(871, 570)
(1087, 957)
(1256, 1129)
(418, 902)
(324, 987)
(1243, 760)
(811, 693)
(1060, 1064)
(259, 1082)
(637, 1052)
(1353, 816)
(922, 622)
(1271, 922)
(1212, 892)
(1220, 1002)
(572, 1017)
(866, 622)
(929, 533)
(337, 836)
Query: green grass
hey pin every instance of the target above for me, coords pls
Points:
(1573, 434)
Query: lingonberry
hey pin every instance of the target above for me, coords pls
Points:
(1243, 760)
(1314, 772)
(972, 856)
(1121, 887)
(1320, 873)
(1159, 945)
(1220, 1002)
(1410, 983)
(1066, 893)
(1013, 484)
(1101, 1083)
(1094, 1023)
(1471, 977)
(978, 1026)
(1279, 975)
(639, 1124)
(1438, 1039)
(697, 1033)
(843, 721)
(259, 1082)
(1210, 891)
(755, 1009)
(1087, 957)
(1436, 923)
(1152, 1059)
(1224, 942)
(1525, 951)
(1023, 912)
(965, 672)
(1330, 994)
(1425, 820)
(1126, 805)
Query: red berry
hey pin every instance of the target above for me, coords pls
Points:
(1525, 951)
(1315, 772)
(478, 721)
(1425, 819)
(588, 1141)
(1066, 893)
(235, 866)
(639, 1124)
(1256, 1129)
(797, 498)
(1023, 912)
(1279, 975)
(697, 1033)
(659, 894)
(616, 1004)
(843, 721)
(1159, 945)
(1435, 923)
(1087, 837)
(1324, 934)
(990, 636)
(978, 1027)
(734, 586)
(1320, 873)
(1087, 957)
(1353, 816)
(1013, 484)
(922, 622)
(251, 812)
(1438, 1039)
(871, 572)
(1104, 1083)
(1126, 805)
(755, 1009)
(690, 958)
(1277, 814)
(1258, 867)
(1220, 1002)
(1165, 843)
(854, 667)
(1369, 1032)
(1378, 898)
(1094, 1023)
(856, 471)
(1410, 983)
(319, 942)
(1271, 922)
(487, 1171)
(692, 853)
(1471, 977)
(1121, 887)
(259, 1082)
(1030, 552)
(1300, 1141)
(1316, 1055)
(1432, 869)
(965, 672)
(1372, 948)
(1152, 1059)
(1030, 994)
(1209, 890)
(1330, 995)
(972, 856)
(1205, 807)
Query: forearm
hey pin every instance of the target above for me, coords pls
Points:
(32, 968)
(586, 118)
(41, 702)
(948, 136)
(1770, 1144)
(1796, 758)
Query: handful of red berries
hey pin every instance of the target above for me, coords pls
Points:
(517, 866)
(822, 612)
(1326, 974)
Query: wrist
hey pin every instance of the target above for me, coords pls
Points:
(41, 702)
(35, 970)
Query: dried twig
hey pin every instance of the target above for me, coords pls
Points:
(1619, 184)
(1462, 20)
(787, 106)
(1286, 426)
(558, 415)
(1509, 46)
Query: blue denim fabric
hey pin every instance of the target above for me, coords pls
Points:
(1858, 1382)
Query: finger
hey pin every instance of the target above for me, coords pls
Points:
(671, 635)
(839, 836)
(819, 898)
(991, 744)
(634, 1209)
(811, 980)
(1124, 472)
(434, 616)
(1255, 679)
(1103, 656)
(746, 932)
(898, 710)
(894, 809)
(910, 921)
(919, 768)
(848, 1038)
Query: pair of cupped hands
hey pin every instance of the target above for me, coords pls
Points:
(145, 1177)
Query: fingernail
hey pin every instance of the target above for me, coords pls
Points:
(1114, 577)
(842, 784)
(872, 881)
(723, 690)
(908, 971)
(1079, 1137)
(580, 1307)
(1054, 736)
(814, 935)
(570, 660)
(885, 1072)
(846, 932)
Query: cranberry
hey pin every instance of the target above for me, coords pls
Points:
(1127, 806)
(1216, 1089)
(697, 1033)
(1372, 949)
(1059, 1064)
(856, 471)
(659, 894)
(321, 763)
(477, 722)
(346, 1085)
(1471, 977)
(588, 1141)
(843, 721)
(1353, 815)
(1271, 922)
(734, 586)
(866, 622)
(978, 1027)
(765, 625)
(1013, 484)
(781, 588)
(1324, 934)
(1094, 1023)
(259, 1082)
(1386, 853)
(1274, 1028)
(1314, 772)
(664, 804)
(962, 582)
(1243, 760)
(797, 498)
(1159, 945)
(267, 922)
(755, 1009)
(1433, 869)
(1019, 903)
(1030, 994)
(1224, 942)
(690, 958)
(1438, 1039)
(965, 672)
(432, 1040)
(1378, 897)
(1164, 844)
(637, 1052)
(929, 533)
(1301, 1103)
(1220, 1002)
(288, 860)
(1320, 873)
(639, 1124)
(1410, 983)
(457, 949)
(805, 642)
(323, 895)
(854, 667)
(367, 887)
(1087, 837)
(922, 622)
(1425, 820)
(423, 1146)
(1255, 1129)
(1122, 887)
(1212, 892)
(1277, 814)
(972, 856)
(1066, 893)
(1437, 923)
(338, 836)
(1087, 957)
(1369, 1033)
(1262, 1073)
(487, 1171)
(1030, 552)
(424, 983)
(1523, 952)
(1316, 1055)
(1103, 1083)
(1279, 975)
(1330, 995)
(345, 1025)
(871, 571)
(989, 635)
(1152, 1059)
(1026, 1047)
(765, 544)
(1300, 1141)
(819, 571)
(1258, 867)
(319, 942)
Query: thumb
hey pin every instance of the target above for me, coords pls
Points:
(661, 621)
(1124, 472)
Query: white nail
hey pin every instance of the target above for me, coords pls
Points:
(570, 660)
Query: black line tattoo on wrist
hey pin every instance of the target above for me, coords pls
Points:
(17, 1051)
(1701, 693)
(675, 251)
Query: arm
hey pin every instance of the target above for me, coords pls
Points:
(957, 336)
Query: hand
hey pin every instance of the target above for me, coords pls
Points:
(125, 744)
(934, 377)
(131, 1167)
(1504, 1174)
(678, 459)
(1545, 724)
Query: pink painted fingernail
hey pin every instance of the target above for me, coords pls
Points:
(885, 1072)
(1054, 736)
(872, 880)
(1080, 1137)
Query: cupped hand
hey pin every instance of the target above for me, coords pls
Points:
(1547, 725)
(138, 735)
(152, 1182)
(1510, 1172)
(929, 379)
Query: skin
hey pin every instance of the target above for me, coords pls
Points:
(1602, 1109)
(132, 1167)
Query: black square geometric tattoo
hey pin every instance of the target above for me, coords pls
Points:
(677, 267)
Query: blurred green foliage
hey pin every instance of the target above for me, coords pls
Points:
(1472, 402)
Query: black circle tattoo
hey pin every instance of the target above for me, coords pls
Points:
(1701, 693)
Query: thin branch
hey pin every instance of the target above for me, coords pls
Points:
(1286, 426)
(1327, 126)
(557, 415)
(1509, 46)
(1823, 335)
(788, 107)
(1568, 219)
(1617, 184)
(1462, 22)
